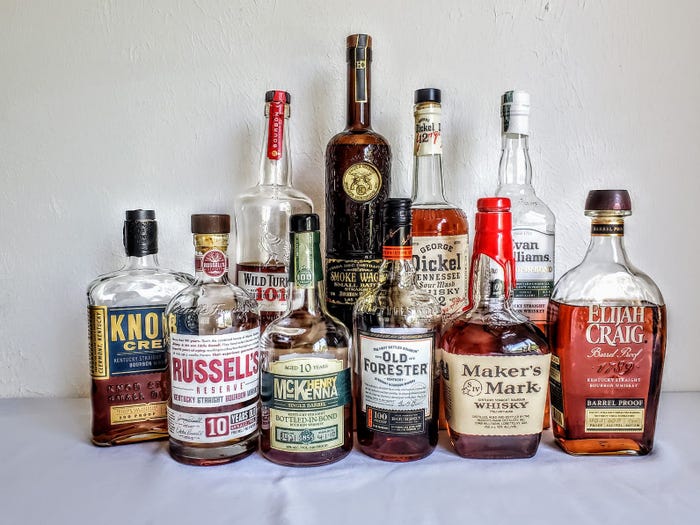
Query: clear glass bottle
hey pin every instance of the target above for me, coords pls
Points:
(127, 349)
(305, 362)
(440, 229)
(396, 371)
(262, 216)
(607, 323)
(213, 334)
(495, 362)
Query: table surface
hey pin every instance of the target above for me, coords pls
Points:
(51, 473)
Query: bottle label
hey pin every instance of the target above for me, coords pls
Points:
(442, 268)
(304, 404)
(396, 366)
(213, 263)
(428, 139)
(495, 395)
(268, 288)
(533, 252)
(306, 264)
(212, 428)
(348, 279)
(601, 370)
(210, 371)
(362, 181)
(275, 131)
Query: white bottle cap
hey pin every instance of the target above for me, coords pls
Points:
(515, 112)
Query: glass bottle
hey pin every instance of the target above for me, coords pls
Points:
(607, 324)
(358, 176)
(262, 216)
(440, 229)
(127, 349)
(495, 361)
(396, 371)
(305, 361)
(213, 331)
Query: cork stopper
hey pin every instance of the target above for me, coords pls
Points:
(140, 233)
(211, 223)
(609, 200)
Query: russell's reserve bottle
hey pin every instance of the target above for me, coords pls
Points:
(262, 216)
(127, 347)
(358, 175)
(495, 362)
(305, 362)
(213, 333)
(607, 331)
(440, 229)
(396, 370)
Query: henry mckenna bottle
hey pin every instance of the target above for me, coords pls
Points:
(213, 332)
(396, 372)
(495, 361)
(608, 338)
(305, 363)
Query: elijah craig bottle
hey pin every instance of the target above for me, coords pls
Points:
(358, 168)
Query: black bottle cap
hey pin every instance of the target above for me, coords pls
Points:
(211, 223)
(140, 233)
(427, 95)
(397, 212)
(304, 222)
(359, 47)
(608, 200)
(270, 96)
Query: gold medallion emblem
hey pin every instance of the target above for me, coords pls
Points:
(362, 182)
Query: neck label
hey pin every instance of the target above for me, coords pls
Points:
(214, 263)
(428, 139)
(275, 132)
(608, 229)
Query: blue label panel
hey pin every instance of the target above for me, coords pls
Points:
(135, 339)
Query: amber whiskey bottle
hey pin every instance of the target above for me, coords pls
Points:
(358, 172)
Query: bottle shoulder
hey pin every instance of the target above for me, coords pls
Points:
(437, 220)
(352, 137)
(302, 329)
(526, 205)
(213, 297)
(284, 198)
(407, 305)
(137, 287)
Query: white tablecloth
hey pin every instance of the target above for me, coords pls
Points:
(50, 473)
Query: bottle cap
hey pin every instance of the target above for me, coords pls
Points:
(140, 233)
(427, 95)
(211, 223)
(491, 204)
(515, 112)
(397, 212)
(304, 222)
(609, 200)
(359, 40)
(278, 96)
(359, 48)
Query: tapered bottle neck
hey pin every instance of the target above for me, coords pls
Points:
(275, 161)
(143, 262)
(359, 89)
(306, 273)
(397, 256)
(515, 168)
(607, 241)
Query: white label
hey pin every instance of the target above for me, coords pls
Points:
(269, 289)
(214, 370)
(212, 428)
(428, 139)
(533, 252)
(495, 395)
(442, 268)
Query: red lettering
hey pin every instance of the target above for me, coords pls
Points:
(177, 369)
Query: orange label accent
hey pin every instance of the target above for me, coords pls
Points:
(397, 253)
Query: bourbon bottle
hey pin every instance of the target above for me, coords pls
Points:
(262, 216)
(607, 331)
(396, 372)
(495, 361)
(358, 175)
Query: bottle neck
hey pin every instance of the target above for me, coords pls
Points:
(359, 83)
(427, 155)
(275, 161)
(397, 256)
(607, 241)
(515, 168)
(489, 284)
(306, 273)
(144, 262)
(211, 262)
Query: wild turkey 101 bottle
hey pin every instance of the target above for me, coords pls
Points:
(358, 173)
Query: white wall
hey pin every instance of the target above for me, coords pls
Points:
(111, 105)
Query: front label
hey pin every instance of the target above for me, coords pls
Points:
(212, 428)
(214, 370)
(268, 288)
(347, 279)
(495, 395)
(442, 268)
(396, 366)
(362, 181)
(533, 252)
(304, 403)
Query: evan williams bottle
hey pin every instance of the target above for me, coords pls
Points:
(396, 372)
(262, 216)
(358, 172)
(213, 353)
(608, 337)
(495, 362)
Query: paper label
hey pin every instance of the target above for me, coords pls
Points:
(533, 252)
(269, 289)
(212, 428)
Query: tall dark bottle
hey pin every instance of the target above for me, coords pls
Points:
(358, 175)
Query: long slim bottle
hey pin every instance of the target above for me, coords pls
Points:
(396, 372)
(608, 337)
(262, 216)
(358, 175)
(213, 332)
(305, 363)
(440, 229)
(495, 361)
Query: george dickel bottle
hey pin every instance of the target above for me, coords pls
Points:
(607, 332)
(495, 361)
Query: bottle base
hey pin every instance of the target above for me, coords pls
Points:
(304, 459)
(397, 449)
(603, 447)
(110, 440)
(495, 447)
(208, 455)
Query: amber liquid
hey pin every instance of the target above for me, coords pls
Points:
(265, 294)
(568, 343)
(467, 338)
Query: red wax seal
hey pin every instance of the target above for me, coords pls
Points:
(214, 263)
